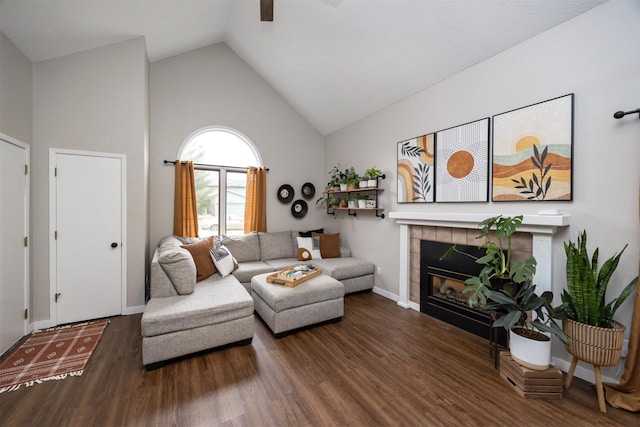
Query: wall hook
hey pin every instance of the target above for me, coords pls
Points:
(621, 114)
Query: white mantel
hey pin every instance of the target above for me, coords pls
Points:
(541, 227)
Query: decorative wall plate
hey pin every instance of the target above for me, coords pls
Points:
(308, 190)
(285, 193)
(299, 208)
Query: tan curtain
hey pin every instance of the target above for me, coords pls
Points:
(185, 211)
(626, 395)
(255, 208)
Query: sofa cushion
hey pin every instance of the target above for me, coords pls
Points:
(169, 241)
(244, 248)
(179, 266)
(344, 268)
(276, 245)
(329, 244)
(282, 263)
(200, 252)
(247, 270)
(214, 300)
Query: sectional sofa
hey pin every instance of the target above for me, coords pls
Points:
(185, 315)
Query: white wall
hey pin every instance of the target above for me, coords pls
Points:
(95, 100)
(597, 57)
(15, 92)
(214, 86)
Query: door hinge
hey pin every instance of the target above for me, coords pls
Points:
(55, 171)
(26, 241)
(26, 169)
(55, 235)
(26, 313)
(57, 295)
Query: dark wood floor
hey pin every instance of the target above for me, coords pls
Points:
(382, 365)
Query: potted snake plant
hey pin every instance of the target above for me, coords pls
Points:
(594, 336)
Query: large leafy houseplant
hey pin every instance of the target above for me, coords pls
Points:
(584, 299)
(507, 290)
(496, 261)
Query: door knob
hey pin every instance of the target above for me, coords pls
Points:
(114, 245)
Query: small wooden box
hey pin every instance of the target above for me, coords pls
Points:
(528, 383)
(273, 278)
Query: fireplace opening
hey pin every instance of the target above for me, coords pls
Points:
(442, 289)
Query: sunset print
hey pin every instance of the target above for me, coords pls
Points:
(532, 152)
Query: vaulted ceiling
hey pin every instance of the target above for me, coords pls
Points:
(335, 61)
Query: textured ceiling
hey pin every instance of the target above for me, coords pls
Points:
(335, 61)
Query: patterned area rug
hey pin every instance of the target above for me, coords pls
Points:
(52, 354)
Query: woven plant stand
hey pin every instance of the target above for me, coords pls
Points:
(595, 345)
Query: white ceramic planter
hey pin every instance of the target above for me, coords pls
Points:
(363, 184)
(372, 183)
(362, 204)
(353, 204)
(370, 204)
(530, 353)
(343, 187)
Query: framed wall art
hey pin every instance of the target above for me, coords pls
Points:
(533, 151)
(415, 169)
(462, 163)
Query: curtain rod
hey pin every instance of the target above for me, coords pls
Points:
(231, 168)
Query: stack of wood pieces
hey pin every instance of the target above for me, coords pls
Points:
(528, 383)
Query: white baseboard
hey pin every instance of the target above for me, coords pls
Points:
(583, 371)
(385, 293)
(41, 324)
(393, 297)
(134, 310)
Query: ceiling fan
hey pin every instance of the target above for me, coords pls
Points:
(266, 10)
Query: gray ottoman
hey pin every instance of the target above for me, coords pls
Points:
(284, 309)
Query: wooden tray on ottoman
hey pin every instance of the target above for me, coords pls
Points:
(528, 383)
(273, 278)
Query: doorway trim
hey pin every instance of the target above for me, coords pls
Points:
(27, 327)
(53, 285)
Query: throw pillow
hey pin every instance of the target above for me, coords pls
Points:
(329, 245)
(223, 260)
(304, 254)
(310, 244)
(310, 232)
(200, 253)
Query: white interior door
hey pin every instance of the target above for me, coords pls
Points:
(14, 260)
(88, 236)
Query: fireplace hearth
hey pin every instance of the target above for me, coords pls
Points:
(442, 288)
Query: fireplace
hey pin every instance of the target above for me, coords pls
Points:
(442, 288)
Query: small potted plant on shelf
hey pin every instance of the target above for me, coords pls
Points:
(362, 200)
(507, 290)
(327, 201)
(372, 175)
(593, 335)
(335, 178)
(351, 178)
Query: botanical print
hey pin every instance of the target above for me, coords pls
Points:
(462, 165)
(415, 169)
(532, 152)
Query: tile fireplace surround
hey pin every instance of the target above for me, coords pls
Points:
(463, 228)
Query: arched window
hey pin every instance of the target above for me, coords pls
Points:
(221, 157)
